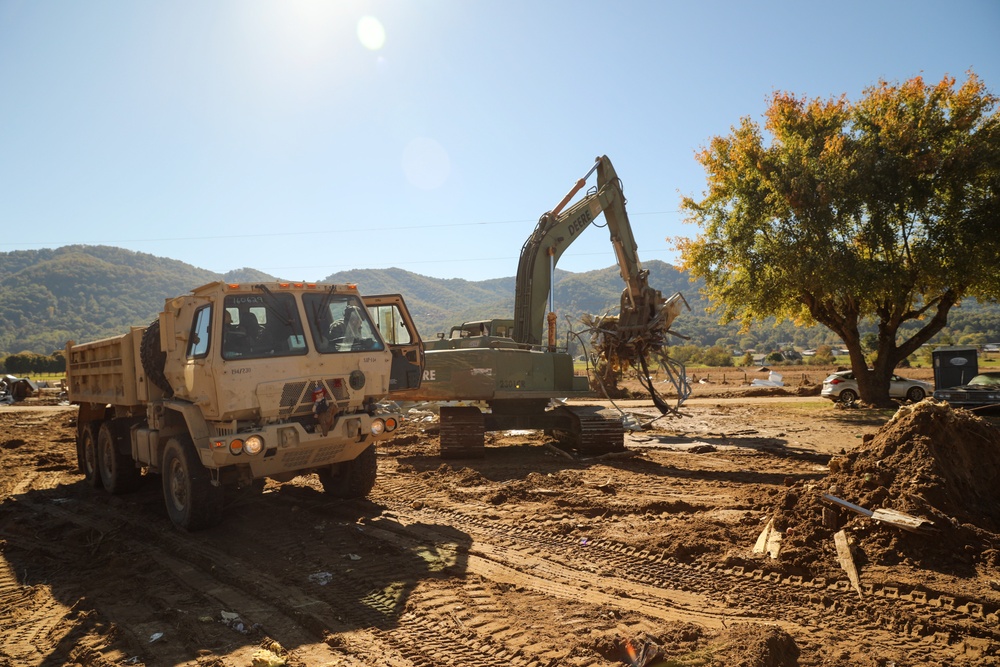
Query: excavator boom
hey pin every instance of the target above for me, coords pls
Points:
(644, 311)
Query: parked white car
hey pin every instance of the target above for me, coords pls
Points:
(844, 388)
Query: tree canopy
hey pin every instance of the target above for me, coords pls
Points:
(885, 209)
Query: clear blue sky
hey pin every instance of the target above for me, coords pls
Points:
(303, 137)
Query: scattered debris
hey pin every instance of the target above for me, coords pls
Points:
(155, 637)
(14, 389)
(889, 516)
(234, 621)
(631, 423)
(769, 541)
(321, 578)
(560, 452)
(265, 658)
(773, 380)
(846, 559)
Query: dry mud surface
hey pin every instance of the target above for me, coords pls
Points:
(528, 557)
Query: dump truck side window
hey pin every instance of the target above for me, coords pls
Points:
(201, 330)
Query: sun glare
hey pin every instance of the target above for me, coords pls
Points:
(371, 34)
(426, 163)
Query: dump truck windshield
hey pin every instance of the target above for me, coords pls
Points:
(340, 323)
(258, 325)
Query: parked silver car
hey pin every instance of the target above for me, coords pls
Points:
(844, 388)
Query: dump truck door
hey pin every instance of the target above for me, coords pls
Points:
(393, 320)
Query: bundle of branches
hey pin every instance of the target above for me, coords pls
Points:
(621, 343)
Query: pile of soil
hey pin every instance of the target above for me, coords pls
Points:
(930, 461)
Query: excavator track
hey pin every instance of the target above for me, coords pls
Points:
(463, 433)
(595, 430)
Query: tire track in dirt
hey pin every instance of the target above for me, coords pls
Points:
(29, 617)
(381, 584)
(270, 597)
(189, 568)
(903, 619)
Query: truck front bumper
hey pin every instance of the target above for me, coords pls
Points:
(288, 447)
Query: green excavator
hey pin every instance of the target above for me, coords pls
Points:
(506, 373)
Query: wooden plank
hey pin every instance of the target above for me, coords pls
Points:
(901, 520)
(769, 541)
(847, 560)
(889, 516)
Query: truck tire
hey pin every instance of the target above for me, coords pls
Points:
(88, 455)
(153, 359)
(351, 479)
(119, 473)
(192, 501)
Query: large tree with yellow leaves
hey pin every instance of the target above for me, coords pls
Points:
(885, 210)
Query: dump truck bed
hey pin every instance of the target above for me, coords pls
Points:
(107, 371)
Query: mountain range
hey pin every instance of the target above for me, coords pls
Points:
(83, 293)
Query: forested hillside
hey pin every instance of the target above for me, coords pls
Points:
(88, 292)
(85, 292)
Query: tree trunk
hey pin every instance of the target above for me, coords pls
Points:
(873, 385)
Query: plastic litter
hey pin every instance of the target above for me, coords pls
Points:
(234, 621)
(321, 578)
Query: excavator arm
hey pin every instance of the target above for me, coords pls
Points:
(641, 327)
(556, 230)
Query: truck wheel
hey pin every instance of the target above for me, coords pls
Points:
(192, 501)
(118, 471)
(88, 456)
(153, 358)
(351, 479)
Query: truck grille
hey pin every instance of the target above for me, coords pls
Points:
(296, 397)
(291, 396)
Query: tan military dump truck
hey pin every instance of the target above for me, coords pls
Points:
(236, 383)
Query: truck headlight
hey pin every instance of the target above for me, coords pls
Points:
(378, 426)
(254, 445)
(390, 424)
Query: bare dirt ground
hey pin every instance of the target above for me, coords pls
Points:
(529, 557)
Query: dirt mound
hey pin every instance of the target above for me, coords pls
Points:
(929, 455)
(754, 645)
(929, 461)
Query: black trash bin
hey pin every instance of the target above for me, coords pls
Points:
(954, 366)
